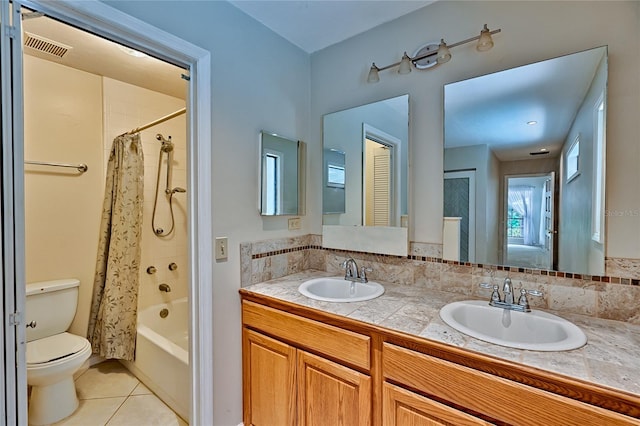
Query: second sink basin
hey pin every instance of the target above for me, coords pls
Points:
(337, 289)
(535, 330)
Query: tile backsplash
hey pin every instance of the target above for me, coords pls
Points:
(615, 296)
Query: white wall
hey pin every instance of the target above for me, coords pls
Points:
(127, 107)
(531, 31)
(576, 211)
(63, 123)
(260, 81)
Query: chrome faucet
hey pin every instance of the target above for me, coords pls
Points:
(507, 289)
(351, 271)
(507, 302)
(164, 287)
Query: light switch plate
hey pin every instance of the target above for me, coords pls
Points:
(294, 223)
(221, 248)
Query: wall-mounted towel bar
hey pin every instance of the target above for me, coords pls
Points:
(80, 167)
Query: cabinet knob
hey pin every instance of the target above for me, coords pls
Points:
(173, 266)
(151, 270)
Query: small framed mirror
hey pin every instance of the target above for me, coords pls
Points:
(282, 165)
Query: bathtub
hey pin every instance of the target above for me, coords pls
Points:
(162, 354)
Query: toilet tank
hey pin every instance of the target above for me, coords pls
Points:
(52, 305)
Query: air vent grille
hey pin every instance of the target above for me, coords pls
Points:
(45, 45)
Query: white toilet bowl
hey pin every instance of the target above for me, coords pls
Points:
(51, 363)
(53, 354)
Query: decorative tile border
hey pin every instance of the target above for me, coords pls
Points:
(606, 297)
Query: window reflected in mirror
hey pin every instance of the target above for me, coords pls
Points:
(282, 168)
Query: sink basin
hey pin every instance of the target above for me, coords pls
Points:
(535, 330)
(337, 289)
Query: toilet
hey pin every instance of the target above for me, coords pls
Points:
(53, 355)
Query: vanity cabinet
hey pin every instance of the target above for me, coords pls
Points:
(402, 407)
(331, 394)
(302, 366)
(285, 384)
(499, 400)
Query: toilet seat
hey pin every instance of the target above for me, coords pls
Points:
(55, 349)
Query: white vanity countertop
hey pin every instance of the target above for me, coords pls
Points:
(610, 357)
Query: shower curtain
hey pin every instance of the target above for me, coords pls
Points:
(112, 322)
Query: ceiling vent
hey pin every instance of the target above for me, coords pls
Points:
(45, 45)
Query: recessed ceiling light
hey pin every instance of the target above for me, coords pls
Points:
(532, 123)
(133, 52)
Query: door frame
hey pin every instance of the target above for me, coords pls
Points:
(101, 19)
(392, 142)
(471, 175)
(504, 213)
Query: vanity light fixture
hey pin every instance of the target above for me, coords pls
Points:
(432, 54)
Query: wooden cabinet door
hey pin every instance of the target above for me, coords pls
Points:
(401, 407)
(330, 394)
(269, 381)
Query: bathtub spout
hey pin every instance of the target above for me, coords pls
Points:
(164, 287)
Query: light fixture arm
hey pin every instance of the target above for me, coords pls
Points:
(432, 53)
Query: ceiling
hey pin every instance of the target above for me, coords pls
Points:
(99, 56)
(313, 25)
(495, 109)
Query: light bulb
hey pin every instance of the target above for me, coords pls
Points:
(373, 76)
(405, 64)
(485, 42)
(443, 53)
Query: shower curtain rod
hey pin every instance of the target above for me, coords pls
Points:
(155, 122)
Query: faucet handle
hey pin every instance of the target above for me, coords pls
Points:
(495, 294)
(524, 301)
(363, 273)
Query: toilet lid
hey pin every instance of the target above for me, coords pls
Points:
(50, 348)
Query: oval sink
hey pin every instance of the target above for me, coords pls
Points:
(535, 330)
(337, 289)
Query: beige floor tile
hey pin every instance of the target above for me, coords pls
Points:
(106, 380)
(141, 389)
(145, 410)
(93, 412)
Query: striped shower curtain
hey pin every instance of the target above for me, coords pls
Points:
(112, 322)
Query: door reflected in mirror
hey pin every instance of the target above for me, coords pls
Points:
(282, 169)
(365, 164)
(525, 194)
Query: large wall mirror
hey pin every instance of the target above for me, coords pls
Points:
(524, 162)
(282, 163)
(365, 168)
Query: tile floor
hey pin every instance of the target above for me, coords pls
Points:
(111, 396)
